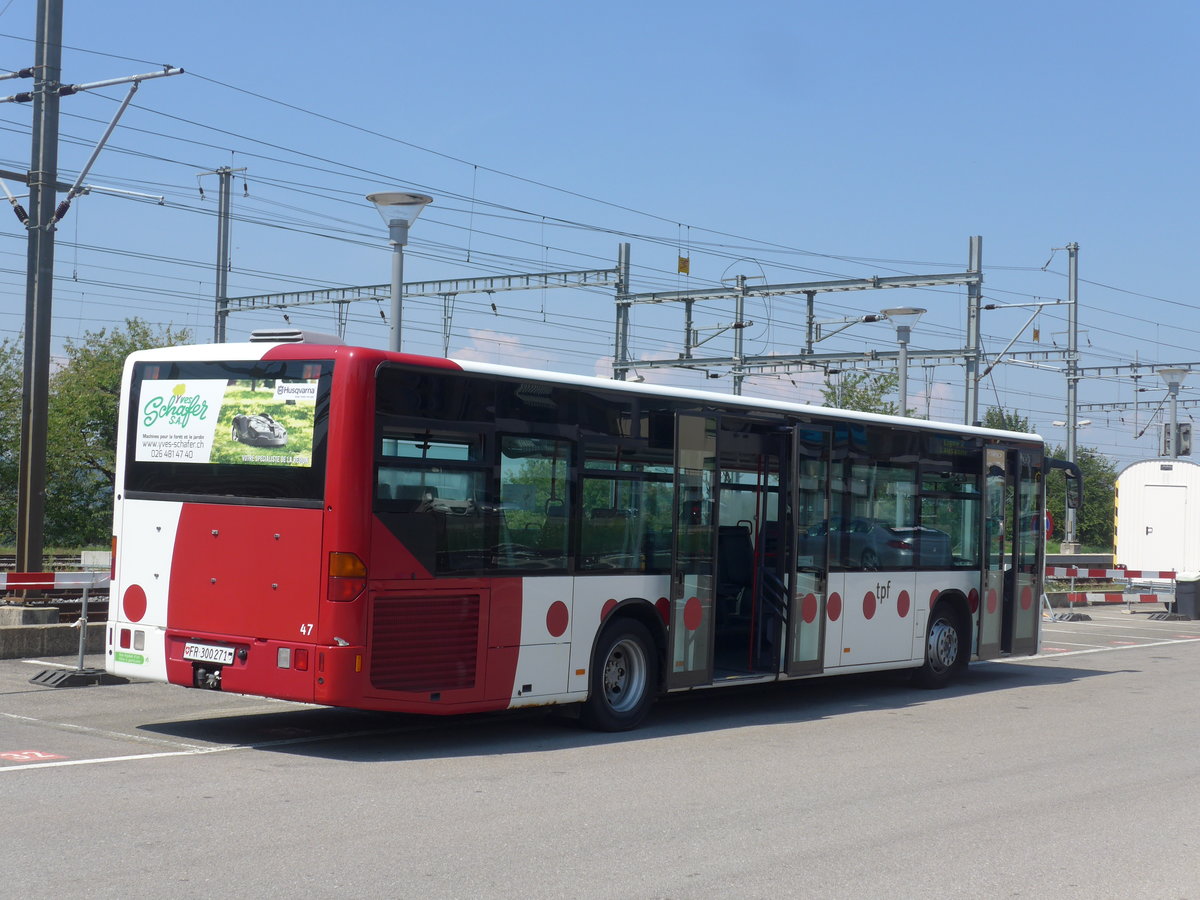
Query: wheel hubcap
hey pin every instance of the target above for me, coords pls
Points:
(624, 675)
(943, 645)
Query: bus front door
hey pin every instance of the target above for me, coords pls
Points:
(1009, 613)
(693, 557)
(1023, 615)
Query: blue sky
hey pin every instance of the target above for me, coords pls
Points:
(789, 141)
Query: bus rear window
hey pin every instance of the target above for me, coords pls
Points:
(253, 429)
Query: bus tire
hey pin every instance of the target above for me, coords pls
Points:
(624, 678)
(946, 647)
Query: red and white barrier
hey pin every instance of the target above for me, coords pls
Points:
(51, 581)
(1113, 574)
(1078, 598)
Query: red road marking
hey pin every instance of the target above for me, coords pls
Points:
(29, 755)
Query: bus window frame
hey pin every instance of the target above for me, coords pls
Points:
(137, 472)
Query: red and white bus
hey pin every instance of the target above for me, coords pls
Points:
(352, 527)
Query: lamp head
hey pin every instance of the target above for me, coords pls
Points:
(399, 207)
(1173, 376)
(904, 315)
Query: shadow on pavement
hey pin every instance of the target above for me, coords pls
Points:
(356, 736)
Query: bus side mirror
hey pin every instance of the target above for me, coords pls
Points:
(1074, 489)
(1074, 477)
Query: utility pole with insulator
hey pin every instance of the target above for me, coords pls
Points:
(39, 288)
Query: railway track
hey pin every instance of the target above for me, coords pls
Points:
(56, 563)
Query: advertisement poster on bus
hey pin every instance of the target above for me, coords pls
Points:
(233, 422)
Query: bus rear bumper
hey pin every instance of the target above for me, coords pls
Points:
(285, 670)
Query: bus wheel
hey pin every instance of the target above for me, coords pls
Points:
(945, 648)
(624, 678)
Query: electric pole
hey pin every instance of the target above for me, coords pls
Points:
(43, 177)
(224, 191)
(974, 341)
(1070, 543)
(43, 214)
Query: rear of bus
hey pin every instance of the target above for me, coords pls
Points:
(222, 561)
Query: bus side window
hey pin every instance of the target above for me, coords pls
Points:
(434, 491)
(881, 530)
(535, 494)
(628, 488)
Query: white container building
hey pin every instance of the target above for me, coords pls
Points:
(1158, 516)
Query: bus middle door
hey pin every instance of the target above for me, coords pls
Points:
(693, 557)
(807, 558)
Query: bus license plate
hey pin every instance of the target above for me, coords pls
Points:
(208, 653)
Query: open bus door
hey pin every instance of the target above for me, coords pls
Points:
(693, 557)
(1021, 626)
(808, 506)
(1009, 609)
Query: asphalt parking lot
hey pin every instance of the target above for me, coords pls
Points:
(814, 788)
(45, 727)
(1114, 627)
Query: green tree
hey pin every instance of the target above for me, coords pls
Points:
(1094, 520)
(10, 436)
(862, 391)
(1006, 420)
(81, 431)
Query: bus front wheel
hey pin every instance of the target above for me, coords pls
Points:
(624, 678)
(946, 647)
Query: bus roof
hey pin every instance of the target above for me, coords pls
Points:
(297, 349)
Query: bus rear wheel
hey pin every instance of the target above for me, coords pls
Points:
(946, 647)
(624, 678)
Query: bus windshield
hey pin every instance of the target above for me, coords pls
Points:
(253, 429)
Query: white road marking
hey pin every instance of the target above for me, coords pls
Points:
(49, 665)
(1105, 649)
(84, 729)
(108, 759)
(201, 751)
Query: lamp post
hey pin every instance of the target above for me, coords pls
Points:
(398, 210)
(904, 318)
(1173, 378)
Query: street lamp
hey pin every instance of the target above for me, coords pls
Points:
(904, 318)
(398, 210)
(1173, 378)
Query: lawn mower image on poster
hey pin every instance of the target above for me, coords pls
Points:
(258, 430)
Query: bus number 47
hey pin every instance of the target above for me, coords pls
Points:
(306, 629)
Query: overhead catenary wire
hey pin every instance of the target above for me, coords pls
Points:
(308, 219)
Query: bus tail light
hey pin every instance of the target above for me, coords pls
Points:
(292, 658)
(347, 576)
(112, 562)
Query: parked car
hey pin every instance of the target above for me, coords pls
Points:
(872, 544)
